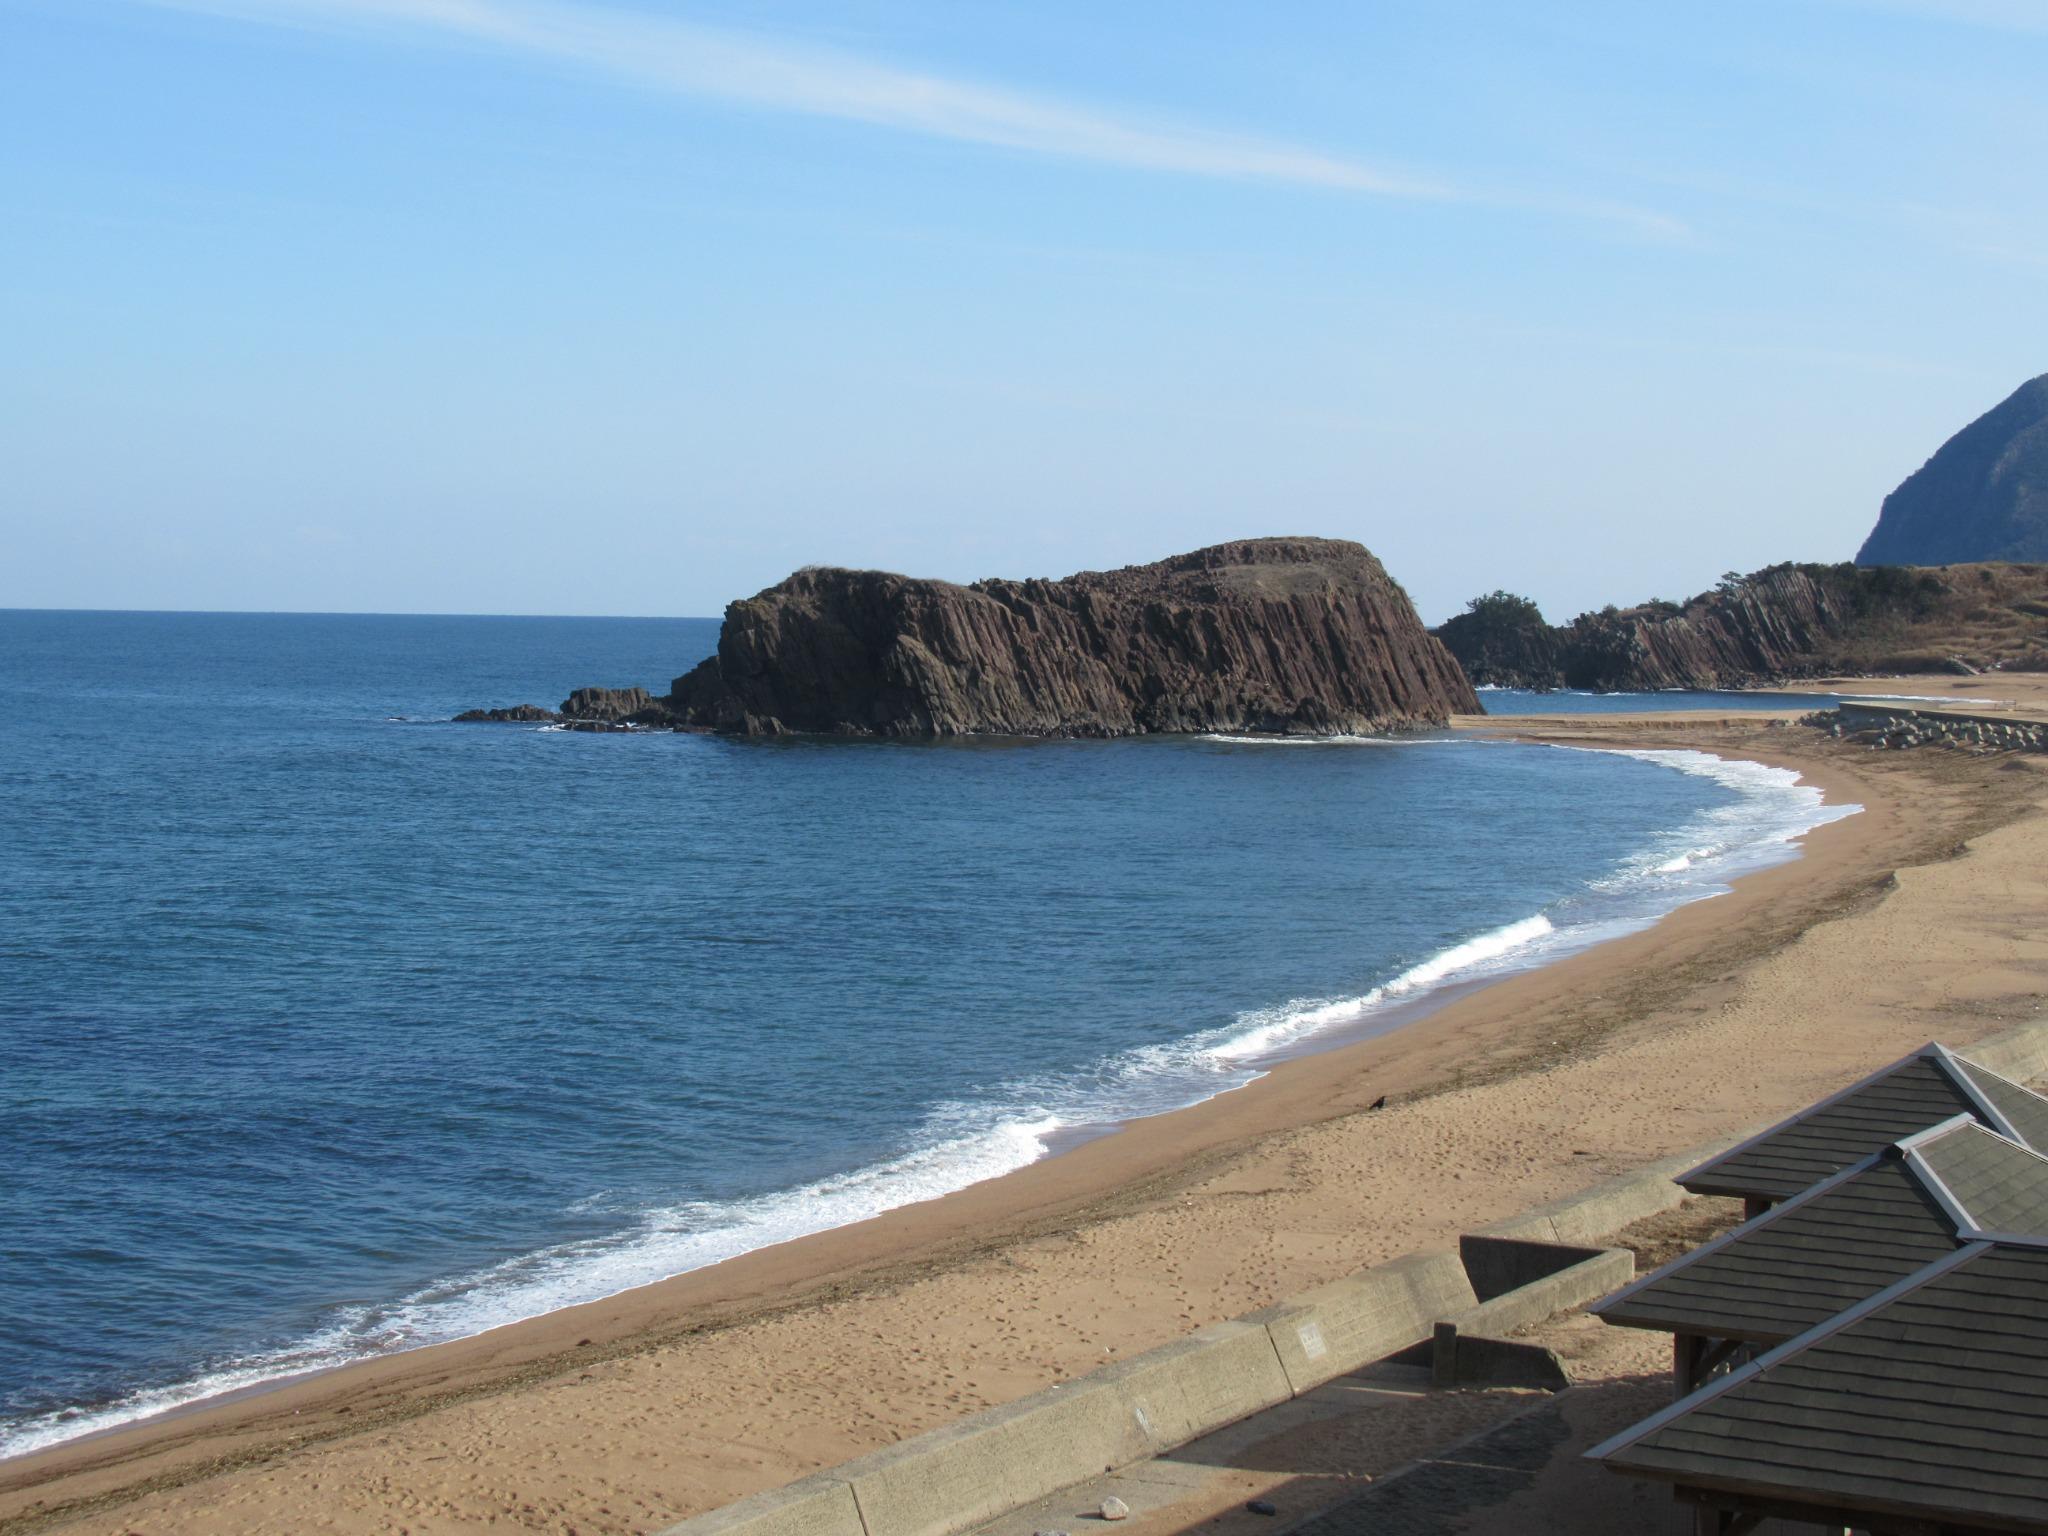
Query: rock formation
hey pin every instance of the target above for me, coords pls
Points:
(1502, 642)
(1896, 728)
(587, 708)
(514, 714)
(609, 705)
(1761, 629)
(1776, 625)
(1297, 636)
(1272, 635)
(1984, 496)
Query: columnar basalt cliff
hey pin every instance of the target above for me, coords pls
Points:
(1776, 625)
(1292, 635)
(1765, 627)
(1288, 636)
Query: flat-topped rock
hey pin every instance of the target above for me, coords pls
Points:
(1287, 635)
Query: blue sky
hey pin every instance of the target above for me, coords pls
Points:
(509, 306)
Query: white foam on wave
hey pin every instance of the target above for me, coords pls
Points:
(1773, 809)
(1262, 1034)
(1464, 957)
(664, 1243)
(961, 1144)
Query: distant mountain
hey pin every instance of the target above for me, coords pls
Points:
(1984, 496)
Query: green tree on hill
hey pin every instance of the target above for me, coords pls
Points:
(1501, 609)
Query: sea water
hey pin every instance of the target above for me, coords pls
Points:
(330, 1028)
(1578, 701)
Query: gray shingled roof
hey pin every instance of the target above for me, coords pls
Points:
(2025, 1112)
(1930, 1400)
(1844, 1239)
(2000, 1186)
(1923, 1089)
(1797, 1265)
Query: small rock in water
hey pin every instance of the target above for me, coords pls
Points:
(1115, 1509)
(1262, 1507)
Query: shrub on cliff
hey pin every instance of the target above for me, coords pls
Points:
(1502, 641)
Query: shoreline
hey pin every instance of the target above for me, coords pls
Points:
(1395, 1004)
(1582, 1003)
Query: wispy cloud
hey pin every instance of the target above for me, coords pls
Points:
(760, 72)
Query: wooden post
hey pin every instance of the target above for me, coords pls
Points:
(1686, 1350)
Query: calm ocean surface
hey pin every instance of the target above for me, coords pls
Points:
(329, 1028)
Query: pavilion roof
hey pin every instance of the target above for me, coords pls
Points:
(1846, 1238)
(1917, 1091)
(1927, 1401)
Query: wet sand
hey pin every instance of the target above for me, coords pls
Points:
(624, 1415)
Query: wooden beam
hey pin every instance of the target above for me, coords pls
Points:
(1756, 1508)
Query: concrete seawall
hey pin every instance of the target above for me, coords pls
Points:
(1334, 1329)
(963, 1475)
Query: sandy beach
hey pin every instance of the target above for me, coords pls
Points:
(1920, 918)
(1991, 692)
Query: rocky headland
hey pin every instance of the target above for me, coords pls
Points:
(1776, 625)
(1283, 636)
(1945, 583)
